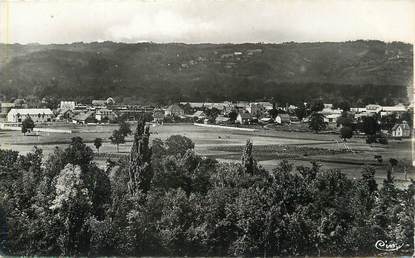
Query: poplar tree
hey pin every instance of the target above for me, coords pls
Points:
(140, 171)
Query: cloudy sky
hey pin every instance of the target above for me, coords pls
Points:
(196, 21)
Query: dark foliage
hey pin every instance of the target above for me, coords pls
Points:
(165, 200)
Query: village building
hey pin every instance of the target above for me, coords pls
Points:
(358, 110)
(67, 114)
(331, 118)
(174, 110)
(222, 120)
(402, 130)
(373, 108)
(105, 115)
(132, 112)
(256, 109)
(266, 120)
(84, 118)
(199, 115)
(103, 102)
(99, 102)
(251, 52)
(244, 118)
(38, 115)
(397, 109)
(294, 120)
(282, 119)
(4, 110)
(20, 103)
(193, 104)
(158, 115)
(330, 111)
(71, 105)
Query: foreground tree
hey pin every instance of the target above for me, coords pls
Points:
(232, 116)
(72, 206)
(27, 125)
(247, 159)
(140, 171)
(302, 111)
(124, 128)
(178, 145)
(346, 133)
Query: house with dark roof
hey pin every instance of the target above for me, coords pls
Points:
(84, 118)
(199, 115)
(222, 120)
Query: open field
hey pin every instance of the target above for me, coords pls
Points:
(270, 146)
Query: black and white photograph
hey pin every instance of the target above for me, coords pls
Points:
(207, 128)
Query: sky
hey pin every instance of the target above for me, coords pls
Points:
(205, 21)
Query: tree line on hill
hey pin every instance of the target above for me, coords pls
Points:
(164, 199)
(361, 72)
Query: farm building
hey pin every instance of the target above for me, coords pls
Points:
(174, 110)
(401, 130)
(38, 115)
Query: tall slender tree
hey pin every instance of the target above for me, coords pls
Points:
(248, 161)
(140, 171)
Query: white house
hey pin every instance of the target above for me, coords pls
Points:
(401, 130)
(282, 119)
(70, 105)
(38, 115)
(105, 115)
(373, 108)
(398, 109)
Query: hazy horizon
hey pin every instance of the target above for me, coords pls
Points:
(201, 43)
(206, 21)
